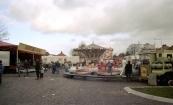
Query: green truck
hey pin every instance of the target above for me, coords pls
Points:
(159, 63)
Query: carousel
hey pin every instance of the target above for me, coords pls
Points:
(93, 54)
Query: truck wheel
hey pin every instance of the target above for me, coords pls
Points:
(170, 82)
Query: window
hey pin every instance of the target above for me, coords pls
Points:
(60, 59)
(65, 60)
(169, 55)
(45, 59)
(160, 54)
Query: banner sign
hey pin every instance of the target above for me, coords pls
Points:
(28, 48)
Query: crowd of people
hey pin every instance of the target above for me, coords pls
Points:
(40, 68)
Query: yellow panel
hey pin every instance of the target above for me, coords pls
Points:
(28, 48)
(143, 72)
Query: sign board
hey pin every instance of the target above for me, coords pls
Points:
(32, 49)
(5, 57)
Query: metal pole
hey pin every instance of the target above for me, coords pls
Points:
(17, 56)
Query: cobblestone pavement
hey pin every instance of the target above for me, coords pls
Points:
(54, 89)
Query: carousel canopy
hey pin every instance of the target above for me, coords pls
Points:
(94, 46)
(92, 51)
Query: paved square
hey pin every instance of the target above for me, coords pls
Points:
(54, 89)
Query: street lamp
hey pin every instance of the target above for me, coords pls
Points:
(160, 40)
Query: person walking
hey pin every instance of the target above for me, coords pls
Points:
(18, 65)
(42, 71)
(37, 68)
(26, 66)
(84, 62)
(117, 64)
(124, 62)
(128, 71)
(110, 67)
(34, 63)
(57, 64)
(1, 71)
(66, 66)
(114, 64)
(69, 64)
(53, 67)
(49, 66)
(41, 65)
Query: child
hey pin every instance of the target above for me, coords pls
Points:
(41, 72)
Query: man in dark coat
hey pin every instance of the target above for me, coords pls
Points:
(1, 71)
(37, 68)
(128, 71)
(26, 65)
(57, 64)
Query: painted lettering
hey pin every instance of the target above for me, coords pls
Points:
(30, 48)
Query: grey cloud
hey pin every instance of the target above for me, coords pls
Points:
(26, 10)
(69, 4)
(137, 18)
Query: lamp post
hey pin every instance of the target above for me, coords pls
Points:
(160, 41)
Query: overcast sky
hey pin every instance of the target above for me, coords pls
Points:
(61, 25)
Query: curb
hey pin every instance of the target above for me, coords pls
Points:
(162, 99)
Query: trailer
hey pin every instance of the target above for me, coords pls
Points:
(61, 59)
(5, 57)
(157, 68)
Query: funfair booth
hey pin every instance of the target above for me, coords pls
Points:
(10, 54)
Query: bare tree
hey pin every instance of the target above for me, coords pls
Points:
(127, 53)
(121, 55)
(3, 32)
(73, 53)
(47, 54)
(82, 44)
(132, 49)
(114, 56)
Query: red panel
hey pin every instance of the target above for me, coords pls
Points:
(6, 44)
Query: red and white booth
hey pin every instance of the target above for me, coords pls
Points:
(18, 52)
